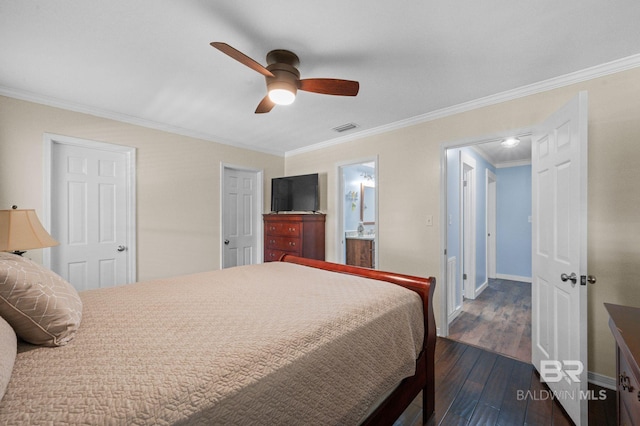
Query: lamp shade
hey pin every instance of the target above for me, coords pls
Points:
(20, 229)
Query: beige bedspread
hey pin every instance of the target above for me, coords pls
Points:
(265, 344)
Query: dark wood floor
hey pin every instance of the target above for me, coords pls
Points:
(479, 387)
(499, 319)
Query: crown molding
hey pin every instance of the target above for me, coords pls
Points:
(591, 73)
(123, 118)
(608, 68)
(507, 164)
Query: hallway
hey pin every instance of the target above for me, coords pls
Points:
(499, 320)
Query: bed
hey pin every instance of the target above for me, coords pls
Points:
(298, 341)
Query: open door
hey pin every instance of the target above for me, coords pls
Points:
(559, 268)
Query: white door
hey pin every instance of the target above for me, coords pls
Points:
(90, 214)
(559, 303)
(240, 222)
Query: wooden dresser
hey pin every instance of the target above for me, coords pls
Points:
(625, 325)
(297, 234)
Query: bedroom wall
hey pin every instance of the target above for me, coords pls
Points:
(178, 181)
(409, 189)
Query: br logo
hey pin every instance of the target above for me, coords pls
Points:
(553, 371)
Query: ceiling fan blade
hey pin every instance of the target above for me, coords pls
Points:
(329, 86)
(241, 57)
(265, 105)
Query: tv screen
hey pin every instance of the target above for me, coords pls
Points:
(295, 193)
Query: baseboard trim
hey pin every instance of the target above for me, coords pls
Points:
(601, 380)
(514, 278)
(481, 288)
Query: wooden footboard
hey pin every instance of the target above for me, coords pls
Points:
(424, 379)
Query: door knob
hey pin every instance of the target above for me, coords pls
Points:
(573, 277)
(121, 248)
(226, 242)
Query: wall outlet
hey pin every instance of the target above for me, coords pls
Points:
(429, 220)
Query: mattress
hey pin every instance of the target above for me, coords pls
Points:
(275, 343)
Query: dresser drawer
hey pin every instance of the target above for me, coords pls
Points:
(283, 229)
(628, 390)
(297, 234)
(284, 243)
(273, 255)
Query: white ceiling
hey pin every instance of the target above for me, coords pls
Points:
(150, 62)
(501, 156)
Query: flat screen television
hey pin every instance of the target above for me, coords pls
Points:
(295, 193)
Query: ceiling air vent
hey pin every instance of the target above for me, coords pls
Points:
(345, 127)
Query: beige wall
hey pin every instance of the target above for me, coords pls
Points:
(409, 184)
(178, 181)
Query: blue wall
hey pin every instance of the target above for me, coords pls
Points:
(513, 232)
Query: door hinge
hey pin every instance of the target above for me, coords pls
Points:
(464, 276)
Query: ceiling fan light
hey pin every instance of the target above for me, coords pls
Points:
(510, 142)
(282, 96)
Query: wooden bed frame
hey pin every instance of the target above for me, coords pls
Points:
(424, 379)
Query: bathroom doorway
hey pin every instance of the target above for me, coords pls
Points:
(358, 221)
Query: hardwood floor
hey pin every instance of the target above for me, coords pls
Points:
(499, 319)
(478, 387)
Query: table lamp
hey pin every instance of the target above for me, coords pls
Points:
(21, 230)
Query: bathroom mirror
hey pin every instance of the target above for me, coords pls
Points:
(367, 204)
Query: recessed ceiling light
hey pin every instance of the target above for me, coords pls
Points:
(510, 142)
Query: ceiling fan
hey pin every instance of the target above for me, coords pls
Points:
(283, 78)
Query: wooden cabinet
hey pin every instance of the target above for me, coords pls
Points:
(297, 234)
(625, 325)
(361, 252)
